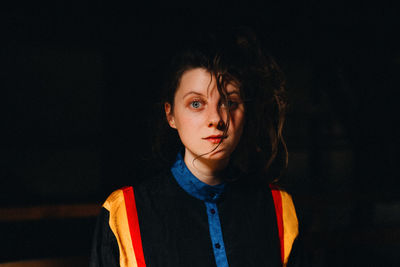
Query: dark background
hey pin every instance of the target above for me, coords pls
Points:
(80, 84)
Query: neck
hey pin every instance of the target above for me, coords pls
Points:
(206, 170)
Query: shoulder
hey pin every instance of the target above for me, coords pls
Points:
(157, 184)
(283, 202)
(115, 199)
(280, 193)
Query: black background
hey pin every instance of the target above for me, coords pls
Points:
(80, 84)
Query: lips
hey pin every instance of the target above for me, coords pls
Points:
(215, 139)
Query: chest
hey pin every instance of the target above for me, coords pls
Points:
(177, 230)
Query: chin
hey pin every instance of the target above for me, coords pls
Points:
(218, 155)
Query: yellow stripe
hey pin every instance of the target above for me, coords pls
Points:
(290, 224)
(115, 204)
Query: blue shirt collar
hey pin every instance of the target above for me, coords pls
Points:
(194, 186)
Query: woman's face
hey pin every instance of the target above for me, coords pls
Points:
(199, 116)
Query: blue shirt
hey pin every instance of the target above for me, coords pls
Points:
(209, 195)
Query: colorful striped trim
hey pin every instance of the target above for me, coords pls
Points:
(288, 226)
(134, 228)
(123, 219)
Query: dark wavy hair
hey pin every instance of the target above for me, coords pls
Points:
(234, 56)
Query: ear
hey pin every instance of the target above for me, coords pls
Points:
(169, 115)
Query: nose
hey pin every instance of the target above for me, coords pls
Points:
(215, 118)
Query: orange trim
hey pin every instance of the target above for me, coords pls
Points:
(134, 228)
(290, 223)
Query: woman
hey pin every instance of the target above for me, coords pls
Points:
(224, 110)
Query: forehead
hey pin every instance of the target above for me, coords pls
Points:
(202, 81)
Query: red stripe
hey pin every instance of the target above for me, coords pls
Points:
(133, 222)
(276, 195)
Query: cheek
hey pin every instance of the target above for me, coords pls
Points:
(187, 123)
(189, 131)
(237, 120)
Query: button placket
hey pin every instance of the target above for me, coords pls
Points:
(216, 234)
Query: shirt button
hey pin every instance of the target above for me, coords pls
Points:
(212, 211)
(217, 245)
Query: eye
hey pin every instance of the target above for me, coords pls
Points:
(195, 104)
(231, 104)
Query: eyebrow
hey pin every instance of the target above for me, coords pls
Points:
(192, 92)
(200, 94)
(234, 92)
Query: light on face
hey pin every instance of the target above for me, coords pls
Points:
(199, 112)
